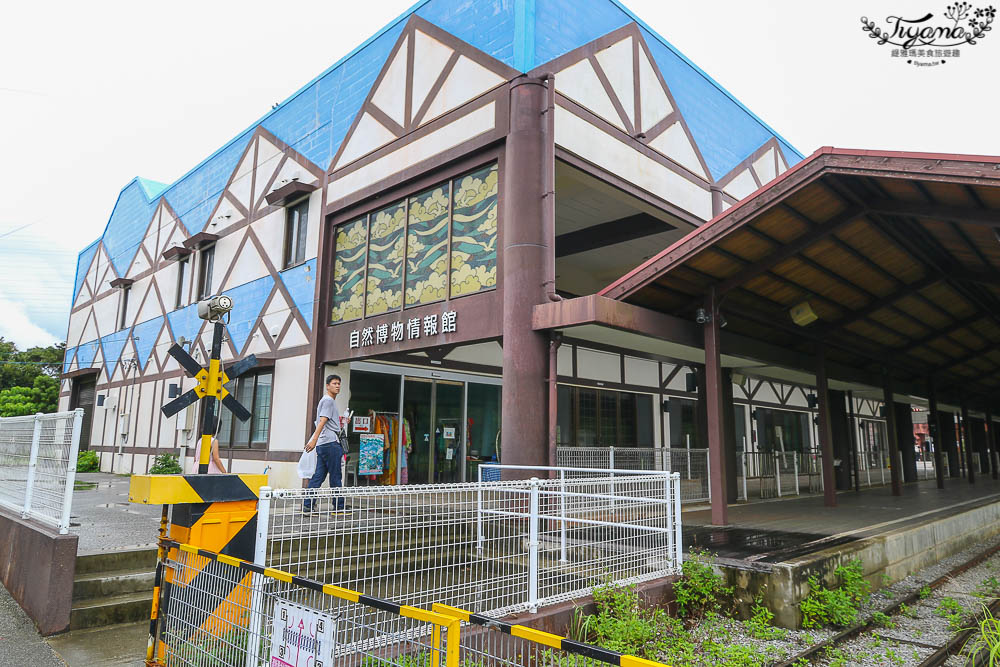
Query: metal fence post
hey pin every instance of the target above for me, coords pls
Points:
(259, 558)
(746, 473)
(74, 452)
(533, 545)
(562, 515)
(678, 531)
(777, 472)
(687, 439)
(795, 466)
(479, 511)
(36, 436)
(668, 501)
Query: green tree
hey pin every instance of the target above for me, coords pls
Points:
(41, 396)
(19, 368)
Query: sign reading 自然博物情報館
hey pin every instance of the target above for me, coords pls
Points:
(411, 329)
(301, 637)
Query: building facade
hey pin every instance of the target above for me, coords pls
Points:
(397, 220)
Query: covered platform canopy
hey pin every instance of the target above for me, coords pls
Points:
(868, 264)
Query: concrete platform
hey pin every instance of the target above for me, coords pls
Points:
(771, 548)
(105, 520)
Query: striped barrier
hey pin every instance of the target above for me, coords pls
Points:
(441, 617)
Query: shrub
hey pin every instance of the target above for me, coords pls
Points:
(165, 464)
(88, 461)
(759, 626)
(700, 589)
(839, 606)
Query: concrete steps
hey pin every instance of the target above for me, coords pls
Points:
(111, 588)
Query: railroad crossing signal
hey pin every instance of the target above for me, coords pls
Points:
(210, 388)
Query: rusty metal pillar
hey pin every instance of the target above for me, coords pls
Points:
(528, 255)
(713, 406)
(825, 431)
(854, 440)
(890, 431)
(934, 429)
(967, 437)
(554, 341)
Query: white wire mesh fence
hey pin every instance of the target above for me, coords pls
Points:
(220, 611)
(492, 547)
(766, 475)
(690, 464)
(38, 465)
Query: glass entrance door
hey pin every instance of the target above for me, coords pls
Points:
(435, 411)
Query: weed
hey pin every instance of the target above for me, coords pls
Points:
(907, 611)
(700, 589)
(836, 657)
(881, 620)
(983, 647)
(924, 593)
(988, 588)
(950, 610)
(759, 625)
(894, 658)
(839, 606)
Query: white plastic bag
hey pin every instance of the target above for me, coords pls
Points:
(307, 464)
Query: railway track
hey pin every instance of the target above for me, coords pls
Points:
(941, 654)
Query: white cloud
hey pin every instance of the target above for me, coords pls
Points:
(15, 325)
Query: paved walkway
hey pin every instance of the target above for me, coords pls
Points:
(113, 646)
(788, 526)
(104, 518)
(20, 643)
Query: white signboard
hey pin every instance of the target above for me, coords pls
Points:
(409, 329)
(301, 637)
(362, 424)
(449, 432)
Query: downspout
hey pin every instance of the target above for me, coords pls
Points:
(549, 208)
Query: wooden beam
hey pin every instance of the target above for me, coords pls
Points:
(610, 233)
(790, 249)
(881, 303)
(925, 211)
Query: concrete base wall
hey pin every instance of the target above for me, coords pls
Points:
(37, 566)
(895, 555)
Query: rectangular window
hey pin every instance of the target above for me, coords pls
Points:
(182, 283)
(474, 232)
(435, 245)
(296, 228)
(123, 314)
(602, 418)
(254, 392)
(385, 260)
(349, 271)
(205, 275)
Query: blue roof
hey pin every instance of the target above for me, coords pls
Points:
(523, 34)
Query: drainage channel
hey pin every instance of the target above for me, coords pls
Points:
(941, 653)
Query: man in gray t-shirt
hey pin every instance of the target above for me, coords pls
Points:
(326, 440)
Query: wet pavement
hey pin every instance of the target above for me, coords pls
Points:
(786, 529)
(20, 643)
(113, 646)
(105, 520)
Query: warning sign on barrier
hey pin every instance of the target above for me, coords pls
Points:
(301, 637)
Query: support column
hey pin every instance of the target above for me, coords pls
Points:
(904, 440)
(967, 438)
(825, 431)
(713, 407)
(992, 442)
(949, 442)
(934, 429)
(840, 430)
(554, 341)
(890, 431)
(853, 424)
(729, 428)
(528, 247)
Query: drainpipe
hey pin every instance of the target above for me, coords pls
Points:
(549, 196)
(554, 341)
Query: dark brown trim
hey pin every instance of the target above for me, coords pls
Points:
(291, 190)
(121, 282)
(173, 252)
(612, 95)
(81, 372)
(196, 241)
(435, 88)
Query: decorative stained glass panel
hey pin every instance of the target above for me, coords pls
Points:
(385, 260)
(349, 271)
(474, 232)
(427, 248)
